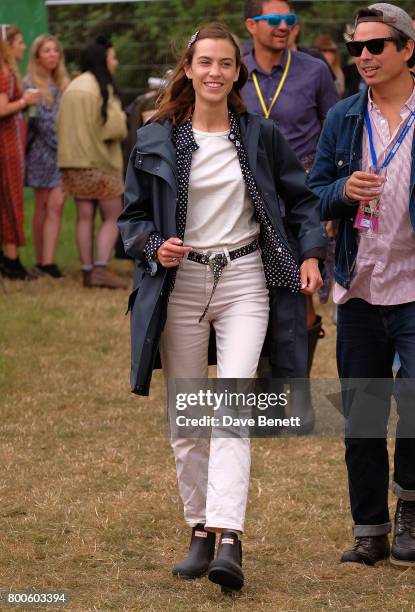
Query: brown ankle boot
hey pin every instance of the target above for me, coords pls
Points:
(101, 276)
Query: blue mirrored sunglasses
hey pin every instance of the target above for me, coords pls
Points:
(274, 19)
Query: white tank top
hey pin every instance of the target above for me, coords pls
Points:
(220, 212)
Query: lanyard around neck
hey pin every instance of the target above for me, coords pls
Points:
(267, 111)
(407, 126)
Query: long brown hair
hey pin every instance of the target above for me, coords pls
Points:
(5, 56)
(178, 101)
(11, 32)
(35, 72)
(7, 61)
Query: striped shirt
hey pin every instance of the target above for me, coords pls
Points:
(385, 265)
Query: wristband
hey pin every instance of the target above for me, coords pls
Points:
(23, 103)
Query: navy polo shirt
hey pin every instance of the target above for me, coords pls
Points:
(307, 95)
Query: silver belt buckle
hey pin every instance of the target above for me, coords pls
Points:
(216, 256)
(211, 260)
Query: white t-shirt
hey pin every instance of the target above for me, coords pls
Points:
(220, 212)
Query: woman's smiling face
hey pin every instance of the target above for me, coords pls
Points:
(213, 70)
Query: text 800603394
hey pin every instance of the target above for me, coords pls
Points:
(26, 598)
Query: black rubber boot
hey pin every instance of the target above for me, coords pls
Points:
(302, 407)
(201, 553)
(314, 334)
(226, 569)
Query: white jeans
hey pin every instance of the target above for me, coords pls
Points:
(213, 475)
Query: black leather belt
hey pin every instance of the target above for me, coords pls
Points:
(217, 262)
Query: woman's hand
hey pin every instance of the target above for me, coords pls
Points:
(170, 253)
(310, 276)
(31, 96)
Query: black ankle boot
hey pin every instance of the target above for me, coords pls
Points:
(367, 550)
(50, 270)
(201, 553)
(14, 270)
(226, 569)
(403, 544)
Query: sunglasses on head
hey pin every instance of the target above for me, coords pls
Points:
(375, 46)
(275, 20)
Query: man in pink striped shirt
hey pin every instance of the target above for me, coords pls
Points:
(364, 173)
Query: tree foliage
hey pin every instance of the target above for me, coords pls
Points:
(148, 35)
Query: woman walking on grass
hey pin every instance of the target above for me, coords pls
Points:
(208, 241)
(12, 140)
(46, 73)
(91, 126)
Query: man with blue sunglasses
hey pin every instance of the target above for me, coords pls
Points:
(292, 88)
(295, 90)
(275, 20)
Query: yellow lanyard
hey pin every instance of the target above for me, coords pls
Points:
(267, 111)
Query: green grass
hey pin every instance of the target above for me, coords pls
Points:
(88, 493)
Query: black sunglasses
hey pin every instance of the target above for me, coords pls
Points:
(375, 46)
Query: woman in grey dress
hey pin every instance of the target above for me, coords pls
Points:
(48, 74)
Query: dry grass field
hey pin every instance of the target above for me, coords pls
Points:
(89, 502)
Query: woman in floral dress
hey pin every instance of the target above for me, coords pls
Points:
(48, 74)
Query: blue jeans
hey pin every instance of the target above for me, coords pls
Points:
(367, 338)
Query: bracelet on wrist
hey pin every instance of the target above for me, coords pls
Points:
(23, 103)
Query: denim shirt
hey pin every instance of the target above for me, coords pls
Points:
(339, 154)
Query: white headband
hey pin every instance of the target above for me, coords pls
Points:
(4, 27)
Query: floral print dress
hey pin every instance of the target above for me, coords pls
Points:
(42, 145)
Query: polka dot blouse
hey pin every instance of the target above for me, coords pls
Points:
(280, 267)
